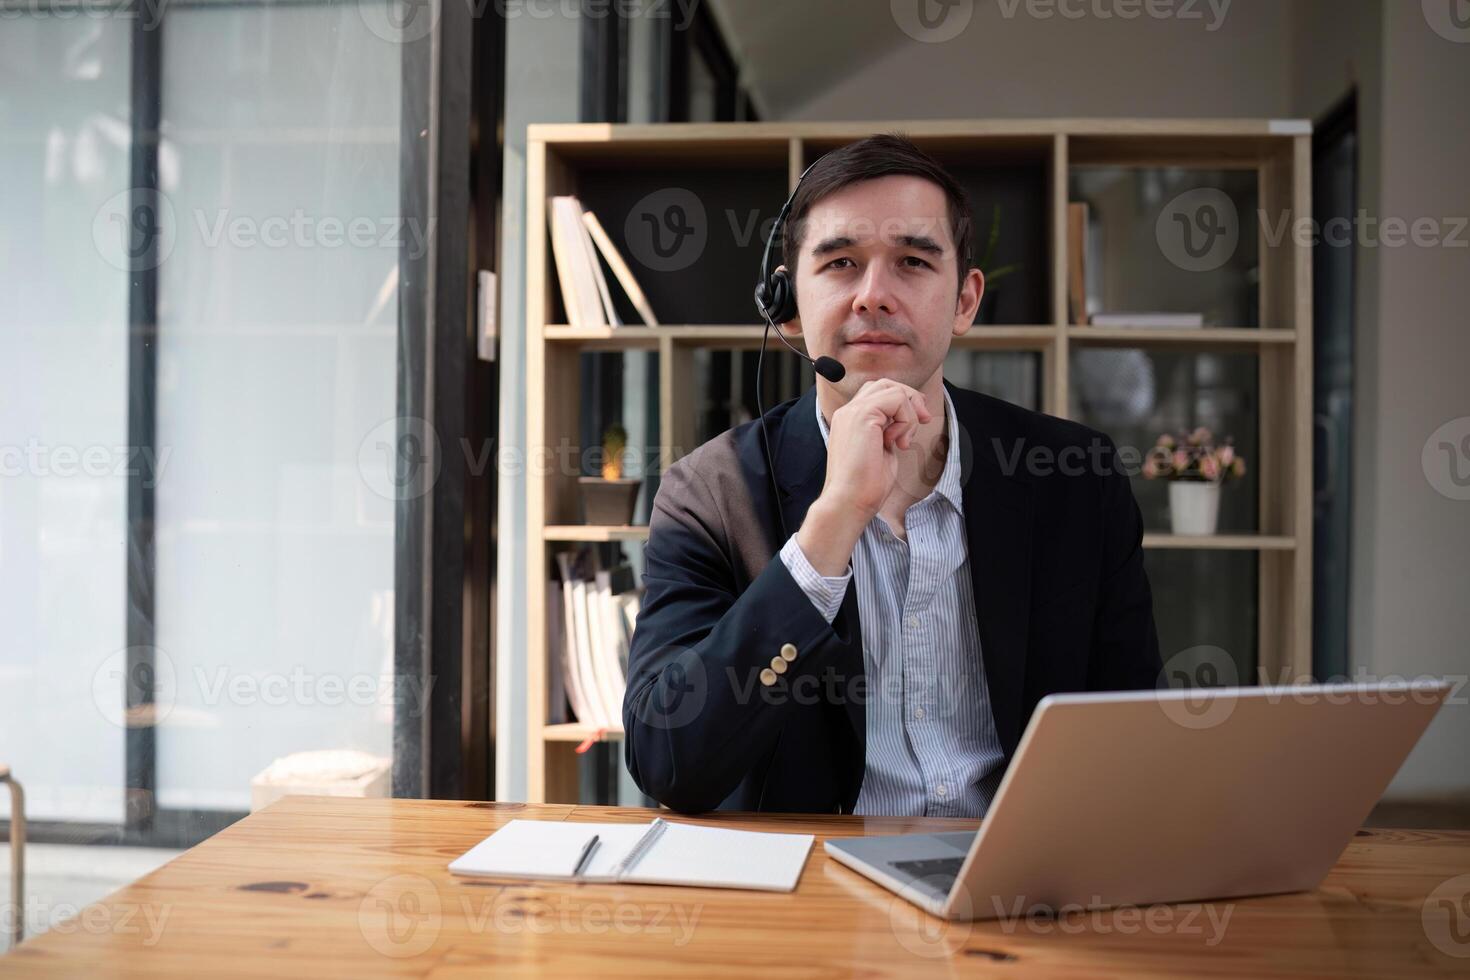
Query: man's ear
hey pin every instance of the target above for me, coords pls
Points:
(967, 303)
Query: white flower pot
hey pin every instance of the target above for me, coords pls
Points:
(1194, 508)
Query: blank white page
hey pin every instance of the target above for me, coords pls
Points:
(714, 857)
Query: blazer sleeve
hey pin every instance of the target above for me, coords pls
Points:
(696, 715)
(1125, 641)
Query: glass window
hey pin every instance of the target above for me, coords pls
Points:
(266, 406)
(63, 412)
(277, 338)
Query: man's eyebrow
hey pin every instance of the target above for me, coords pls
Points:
(922, 242)
(833, 244)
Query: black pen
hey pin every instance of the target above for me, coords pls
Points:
(587, 850)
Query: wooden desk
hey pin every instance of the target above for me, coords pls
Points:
(319, 887)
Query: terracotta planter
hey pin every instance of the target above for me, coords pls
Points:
(608, 501)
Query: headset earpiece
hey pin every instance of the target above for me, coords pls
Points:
(777, 295)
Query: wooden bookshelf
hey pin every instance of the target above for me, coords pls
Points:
(746, 169)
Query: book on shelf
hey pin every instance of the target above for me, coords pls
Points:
(558, 696)
(574, 272)
(1077, 262)
(604, 296)
(576, 239)
(1157, 320)
(592, 615)
(620, 268)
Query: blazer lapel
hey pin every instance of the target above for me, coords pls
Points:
(801, 460)
(801, 469)
(998, 514)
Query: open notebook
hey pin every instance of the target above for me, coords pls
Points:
(674, 854)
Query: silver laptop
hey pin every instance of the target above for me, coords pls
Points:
(1138, 797)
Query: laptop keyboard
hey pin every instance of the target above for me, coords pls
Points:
(937, 874)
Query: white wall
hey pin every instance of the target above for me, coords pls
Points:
(1008, 63)
(1412, 569)
(1411, 545)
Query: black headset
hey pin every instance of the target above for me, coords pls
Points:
(775, 298)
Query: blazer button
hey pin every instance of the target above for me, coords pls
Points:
(788, 652)
(778, 665)
(768, 677)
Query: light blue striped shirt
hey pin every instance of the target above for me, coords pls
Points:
(932, 746)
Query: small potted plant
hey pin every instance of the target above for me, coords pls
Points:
(610, 498)
(1196, 467)
(993, 276)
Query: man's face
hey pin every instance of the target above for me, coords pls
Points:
(877, 281)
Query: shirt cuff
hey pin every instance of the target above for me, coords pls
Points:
(825, 591)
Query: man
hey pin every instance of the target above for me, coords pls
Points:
(953, 558)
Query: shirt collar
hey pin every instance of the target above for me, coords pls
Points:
(949, 480)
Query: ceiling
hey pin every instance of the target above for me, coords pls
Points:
(789, 50)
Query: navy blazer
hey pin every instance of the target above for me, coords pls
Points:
(1062, 602)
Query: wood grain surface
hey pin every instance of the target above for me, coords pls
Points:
(321, 887)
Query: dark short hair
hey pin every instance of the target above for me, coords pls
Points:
(880, 155)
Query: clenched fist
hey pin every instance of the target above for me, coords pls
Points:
(866, 438)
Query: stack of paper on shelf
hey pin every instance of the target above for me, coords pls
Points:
(592, 613)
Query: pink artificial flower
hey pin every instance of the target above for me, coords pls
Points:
(1150, 469)
(1226, 454)
(1166, 440)
(1209, 468)
(1199, 436)
(1237, 469)
(1181, 459)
